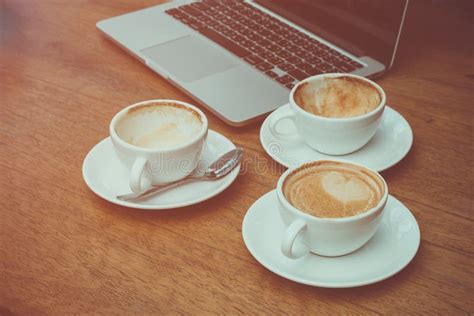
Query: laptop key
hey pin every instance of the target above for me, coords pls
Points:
(344, 67)
(275, 61)
(266, 55)
(265, 33)
(212, 23)
(226, 21)
(271, 74)
(259, 28)
(234, 4)
(274, 38)
(221, 28)
(242, 20)
(303, 65)
(264, 66)
(292, 48)
(204, 18)
(229, 33)
(334, 69)
(324, 67)
(214, 13)
(267, 23)
(314, 60)
(257, 49)
(190, 10)
(246, 43)
(283, 42)
(247, 32)
(224, 42)
(345, 58)
(173, 12)
(286, 67)
(211, 2)
(298, 74)
(289, 35)
(300, 41)
(313, 71)
(283, 54)
(237, 37)
(289, 86)
(332, 59)
(251, 25)
(274, 27)
(178, 14)
(285, 79)
(255, 37)
(293, 59)
(253, 59)
(239, 27)
(274, 48)
(196, 25)
(200, 6)
(303, 54)
(282, 31)
(264, 43)
(355, 64)
(187, 20)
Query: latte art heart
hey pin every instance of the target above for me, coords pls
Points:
(333, 189)
(345, 188)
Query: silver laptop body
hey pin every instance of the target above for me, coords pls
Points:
(231, 88)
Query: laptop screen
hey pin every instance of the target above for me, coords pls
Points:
(361, 27)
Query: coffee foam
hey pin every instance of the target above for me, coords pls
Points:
(159, 125)
(333, 189)
(337, 97)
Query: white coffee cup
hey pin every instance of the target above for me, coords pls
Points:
(332, 136)
(150, 166)
(326, 236)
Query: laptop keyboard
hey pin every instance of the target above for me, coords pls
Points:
(275, 48)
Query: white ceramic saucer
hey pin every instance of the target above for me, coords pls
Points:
(390, 144)
(393, 246)
(107, 177)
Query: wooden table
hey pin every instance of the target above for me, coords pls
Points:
(63, 250)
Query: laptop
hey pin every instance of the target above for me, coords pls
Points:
(241, 58)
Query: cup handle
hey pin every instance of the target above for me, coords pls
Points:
(289, 239)
(136, 175)
(274, 123)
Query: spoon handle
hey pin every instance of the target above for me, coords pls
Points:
(134, 197)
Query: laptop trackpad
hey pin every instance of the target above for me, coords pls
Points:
(190, 58)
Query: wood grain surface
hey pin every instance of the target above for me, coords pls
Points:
(63, 250)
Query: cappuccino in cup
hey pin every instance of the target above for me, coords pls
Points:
(160, 141)
(330, 189)
(335, 114)
(335, 207)
(337, 97)
(159, 125)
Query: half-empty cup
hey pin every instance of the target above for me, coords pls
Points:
(335, 114)
(160, 141)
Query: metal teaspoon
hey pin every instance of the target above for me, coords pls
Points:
(218, 169)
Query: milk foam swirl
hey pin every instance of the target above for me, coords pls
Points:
(159, 125)
(337, 97)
